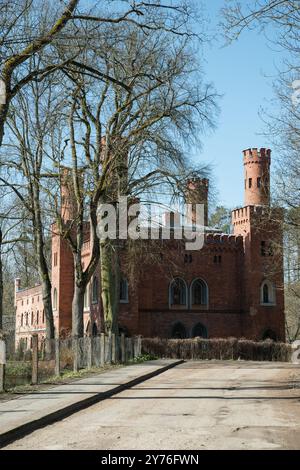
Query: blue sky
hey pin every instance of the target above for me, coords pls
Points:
(243, 73)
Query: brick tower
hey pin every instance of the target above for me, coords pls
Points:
(62, 260)
(257, 176)
(260, 226)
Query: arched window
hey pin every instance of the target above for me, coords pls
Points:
(123, 291)
(199, 293)
(178, 331)
(200, 331)
(32, 318)
(37, 317)
(86, 303)
(178, 293)
(27, 314)
(95, 293)
(267, 293)
(22, 319)
(55, 299)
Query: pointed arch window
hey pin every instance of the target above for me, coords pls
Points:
(199, 330)
(55, 299)
(178, 293)
(124, 291)
(178, 331)
(95, 291)
(86, 302)
(199, 293)
(267, 293)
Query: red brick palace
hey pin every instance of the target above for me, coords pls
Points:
(232, 287)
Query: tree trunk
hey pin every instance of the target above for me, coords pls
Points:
(47, 300)
(77, 311)
(3, 116)
(42, 265)
(110, 284)
(1, 283)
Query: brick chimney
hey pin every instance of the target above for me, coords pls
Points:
(197, 193)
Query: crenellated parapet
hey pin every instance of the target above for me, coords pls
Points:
(223, 241)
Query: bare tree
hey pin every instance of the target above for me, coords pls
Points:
(24, 162)
(29, 28)
(127, 141)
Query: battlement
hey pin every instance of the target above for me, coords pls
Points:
(252, 154)
(223, 241)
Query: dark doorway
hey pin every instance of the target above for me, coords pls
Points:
(199, 330)
(178, 331)
(269, 334)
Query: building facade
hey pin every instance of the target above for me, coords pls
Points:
(232, 287)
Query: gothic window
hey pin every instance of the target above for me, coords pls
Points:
(95, 293)
(267, 293)
(86, 301)
(199, 292)
(123, 291)
(55, 299)
(178, 292)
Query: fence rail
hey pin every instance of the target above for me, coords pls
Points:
(53, 357)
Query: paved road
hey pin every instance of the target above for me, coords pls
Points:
(197, 405)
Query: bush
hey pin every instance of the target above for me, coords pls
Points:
(217, 348)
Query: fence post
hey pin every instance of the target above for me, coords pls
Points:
(123, 354)
(113, 348)
(76, 355)
(57, 356)
(132, 348)
(139, 346)
(89, 352)
(43, 350)
(2, 364)
(35, 359)
(102, 349)
(109, 347)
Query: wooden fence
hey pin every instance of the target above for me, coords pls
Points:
(56, 356)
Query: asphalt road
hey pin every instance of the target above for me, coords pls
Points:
(197, 405)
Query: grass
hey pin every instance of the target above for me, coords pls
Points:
(143, 358)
